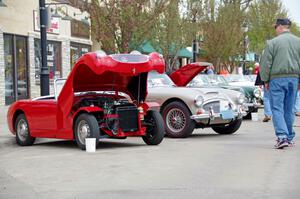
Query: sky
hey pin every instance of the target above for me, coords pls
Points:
(293, 9)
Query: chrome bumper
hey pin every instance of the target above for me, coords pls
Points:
(255, 105)
(212, 116)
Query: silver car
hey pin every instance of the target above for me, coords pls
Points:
(184, 109)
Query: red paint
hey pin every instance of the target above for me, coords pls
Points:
(54, 119)
(185, 74)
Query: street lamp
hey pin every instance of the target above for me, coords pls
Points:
(194, 6)
(44, 22)
(245, 45)
(44, 76)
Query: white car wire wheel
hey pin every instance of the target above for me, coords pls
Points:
(23, 136)
(177, 120)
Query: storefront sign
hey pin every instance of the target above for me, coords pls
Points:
(80, 29)
(54, 25)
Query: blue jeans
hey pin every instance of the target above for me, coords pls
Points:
(283, 92)
(267, 107)
(297, 103)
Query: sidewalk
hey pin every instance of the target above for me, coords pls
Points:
(3, 112)
(5, 135)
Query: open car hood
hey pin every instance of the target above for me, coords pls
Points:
(119, 72)
(185, 74)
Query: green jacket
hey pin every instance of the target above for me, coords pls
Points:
(281, 57)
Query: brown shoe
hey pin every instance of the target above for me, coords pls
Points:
(297, 113)
(267, 118)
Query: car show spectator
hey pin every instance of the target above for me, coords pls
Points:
(210, 70)
(266, 98)
(280, 69)
(297, 104)
(256, 68)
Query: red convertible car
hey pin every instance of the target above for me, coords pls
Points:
(103, 97)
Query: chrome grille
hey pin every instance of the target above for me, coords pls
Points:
(214, 105)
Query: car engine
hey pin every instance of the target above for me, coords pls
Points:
(117, 114)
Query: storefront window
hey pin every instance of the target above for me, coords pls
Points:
(9, 70)
(53, 59)
(77, 50)
(16, 68)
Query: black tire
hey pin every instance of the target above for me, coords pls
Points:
(155, 129)
(229, 128)
(252, 110)
(23, 136)
(248, 116)
(86, 122)
(180, 127)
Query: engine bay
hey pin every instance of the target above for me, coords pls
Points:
(118, 113)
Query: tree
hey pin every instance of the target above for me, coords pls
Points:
(168, 35)
(262, 15)
(123, 25)
(222, 28)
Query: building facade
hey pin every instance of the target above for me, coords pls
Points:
(68, 37)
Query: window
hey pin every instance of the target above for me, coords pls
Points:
(77, 50)
(16, 68)
(53, 60)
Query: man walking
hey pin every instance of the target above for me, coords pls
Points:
(280, 69)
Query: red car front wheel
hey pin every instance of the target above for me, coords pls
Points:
(23, 136)
(86, 126)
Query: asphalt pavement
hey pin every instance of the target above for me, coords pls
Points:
(205, 165)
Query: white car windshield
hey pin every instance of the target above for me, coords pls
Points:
(155, 79)
(208, 80)
(217, 80)
(236, 78)
(199, 81)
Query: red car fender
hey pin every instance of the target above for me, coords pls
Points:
(150, 106)
(68, 131)
(14, 109)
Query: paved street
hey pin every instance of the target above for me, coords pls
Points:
(205, 165)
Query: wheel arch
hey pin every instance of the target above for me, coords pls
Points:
(77, 114)
(16, 114)
(174, 99)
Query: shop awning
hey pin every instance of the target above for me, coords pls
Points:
(146, 47)
(184, 53)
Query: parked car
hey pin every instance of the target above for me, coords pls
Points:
(184, 109)
(103, 97)
(252, 93)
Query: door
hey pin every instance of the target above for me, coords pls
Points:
(16, 68)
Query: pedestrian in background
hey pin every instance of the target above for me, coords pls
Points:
(210, 70)
(297, 105)
(266, 98)
(256, 68)
(279, 69)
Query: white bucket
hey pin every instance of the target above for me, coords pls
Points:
(90, 145)
(254, 117)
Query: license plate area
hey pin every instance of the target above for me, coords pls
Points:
(227, 114)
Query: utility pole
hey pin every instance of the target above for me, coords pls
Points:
(245, 45)
(44, 75)
(195, 50)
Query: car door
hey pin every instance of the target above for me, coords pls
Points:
(43, 118)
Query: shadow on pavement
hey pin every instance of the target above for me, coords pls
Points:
(202, 135)
(72, 144)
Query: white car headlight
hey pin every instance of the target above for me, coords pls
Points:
(199, 100)
(257, 93)
(241, 98)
